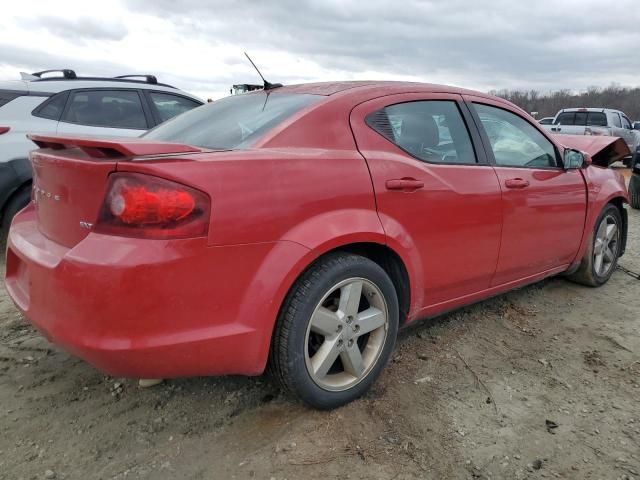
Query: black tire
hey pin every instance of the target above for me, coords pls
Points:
(290, 342)
(17, 202)
(586, 273)
(634, 191)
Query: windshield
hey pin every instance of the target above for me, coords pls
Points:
(234, 122)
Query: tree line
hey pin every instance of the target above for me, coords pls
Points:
(548, 104)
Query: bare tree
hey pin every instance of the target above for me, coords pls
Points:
(547, 104)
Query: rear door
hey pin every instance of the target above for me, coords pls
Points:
(544, 206)
(436, 195)
(105, 112)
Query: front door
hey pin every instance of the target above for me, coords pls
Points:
(544, 206)
(436, 196)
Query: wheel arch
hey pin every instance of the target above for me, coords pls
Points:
(619, 203)
(388, 259)
(15, 176)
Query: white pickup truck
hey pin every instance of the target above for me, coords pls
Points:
(597, 121)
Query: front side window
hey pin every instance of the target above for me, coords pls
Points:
(168, 105)
(430, 130)
(514, 141)
(106, 108)
(597, 119)
(234, 122)
(626, 123)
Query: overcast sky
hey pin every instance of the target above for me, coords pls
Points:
(197, 45)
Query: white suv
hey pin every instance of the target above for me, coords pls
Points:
(67, 104)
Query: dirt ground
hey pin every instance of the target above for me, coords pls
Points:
(542, 382)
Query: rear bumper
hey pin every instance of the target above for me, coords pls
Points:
(148, 309)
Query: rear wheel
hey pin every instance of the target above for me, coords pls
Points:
(601, 257)
(17, 202)
(336, 331)
(634, 191)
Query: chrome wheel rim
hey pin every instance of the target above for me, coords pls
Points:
(346, 334)
(605, 246)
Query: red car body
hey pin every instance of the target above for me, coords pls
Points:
(322, 180)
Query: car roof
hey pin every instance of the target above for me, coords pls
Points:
(54, 85)
(590, 109)
(381, 87)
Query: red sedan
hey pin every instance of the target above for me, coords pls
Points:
(301, 227)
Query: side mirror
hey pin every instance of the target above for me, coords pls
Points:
(636, 126)
(574, 159)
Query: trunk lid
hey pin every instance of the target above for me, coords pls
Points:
(70, 176)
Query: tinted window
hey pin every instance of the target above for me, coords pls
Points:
(233, 122)
(53, 107)
(514, 141)
(433, 131)
(615, 118)
(580, 118)
(168, 105)
(106, 108)
(565, 118)
(597, 119)
(626, 123)
(6, 96)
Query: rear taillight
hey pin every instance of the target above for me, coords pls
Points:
(144, 206)
(4, 130)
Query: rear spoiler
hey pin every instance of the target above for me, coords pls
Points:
(604, 150)
(112, 148)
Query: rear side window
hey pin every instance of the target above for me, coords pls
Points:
(566, 118)
(432, 130)
(106, 108)
(233, 122)
(168, 105)
(53, 107)
(597, 119)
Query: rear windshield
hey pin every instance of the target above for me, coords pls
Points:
(233, 122)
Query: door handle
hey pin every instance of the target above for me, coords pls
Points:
(404, 184)
(516, 183)
(556, 129)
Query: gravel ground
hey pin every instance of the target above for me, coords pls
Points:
(542, 382)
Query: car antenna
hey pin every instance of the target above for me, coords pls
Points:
(267, 85)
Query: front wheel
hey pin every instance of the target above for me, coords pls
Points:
(601, 257)
(336, 331)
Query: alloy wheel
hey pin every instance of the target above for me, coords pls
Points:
(346, 334)
(606, 245)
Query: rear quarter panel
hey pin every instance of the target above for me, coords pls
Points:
(302, 202)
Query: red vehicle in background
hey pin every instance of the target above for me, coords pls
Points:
(300, 227)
